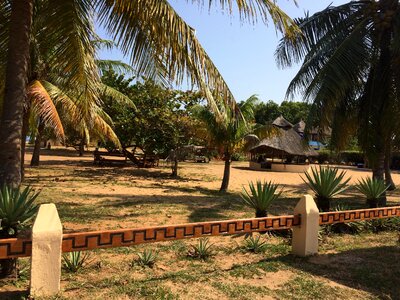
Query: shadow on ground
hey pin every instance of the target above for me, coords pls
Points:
(375, 270)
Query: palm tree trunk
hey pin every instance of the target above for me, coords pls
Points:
(35, 161)
(227, 171)
(388, 174)
(82, 146)
(378, 171)
(25, 128)
(15, 91)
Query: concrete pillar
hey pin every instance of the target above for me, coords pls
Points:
(46, 252)
(305, 236)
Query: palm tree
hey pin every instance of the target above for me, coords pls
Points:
(227, 130)
(160, 45)
(350, 71)
(15, 36)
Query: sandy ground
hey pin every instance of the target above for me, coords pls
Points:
(90, 197)
(127, 196)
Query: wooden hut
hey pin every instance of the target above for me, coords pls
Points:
(284, 151)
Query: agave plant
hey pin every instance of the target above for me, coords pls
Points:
(326, 183)
(146, 258)
(254, 244)
(74, 261)
(260, 196)
(202, 250)
(16, 208)
(373, 189)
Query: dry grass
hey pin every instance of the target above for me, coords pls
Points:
(348, 267)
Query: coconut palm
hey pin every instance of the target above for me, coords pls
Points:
(227, 130)
(160, 44)
(350, 71)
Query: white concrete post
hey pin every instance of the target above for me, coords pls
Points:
(305, 236)
(46, 252)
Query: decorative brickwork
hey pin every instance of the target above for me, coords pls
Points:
(125, 237)
(15, 247)
(21, 247)
(358, 215)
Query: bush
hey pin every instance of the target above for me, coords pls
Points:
(260, 196)
(352, 157)
(378, 225)
(238, 157)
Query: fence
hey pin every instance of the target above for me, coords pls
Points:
(48, 242)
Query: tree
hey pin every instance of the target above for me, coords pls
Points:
(16, 35)
(267, 112)
(351, 72)
(228, 132)
(161, 120)
(160, 44)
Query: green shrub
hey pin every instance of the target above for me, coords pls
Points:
(372, 189)
(254, 244)
(325, 183)
(146, 258)
(378, 225)
(16, 208)
(202, 250)
(260, 197)
(238, 157)
(74, 261)
(325, 156)
(352, 157)
(346, 227)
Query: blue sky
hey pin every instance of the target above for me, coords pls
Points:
(243, 53)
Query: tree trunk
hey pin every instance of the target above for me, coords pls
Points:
(82, 147)
(25, 128)
(35, 161)
(388, 174)
(175, 163)
(378, 171)
(15, 90)
(227, 171)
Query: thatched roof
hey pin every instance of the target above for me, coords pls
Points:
(286, 142)
(281, 122)
(300, 127)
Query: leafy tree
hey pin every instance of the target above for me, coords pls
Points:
(159, 43)
(294, 112)
(161, 121)
(267, 112)
(350, 72)
(228, 131)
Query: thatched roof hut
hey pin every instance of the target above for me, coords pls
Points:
(287, 142)
(281, 122)
(284, 143)
(300, 127)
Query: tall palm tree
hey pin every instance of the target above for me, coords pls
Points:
(159, 43)
(15, 36)
(350, 71)
(228, 132)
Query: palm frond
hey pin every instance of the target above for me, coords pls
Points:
(42, 104)
(116, 95)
